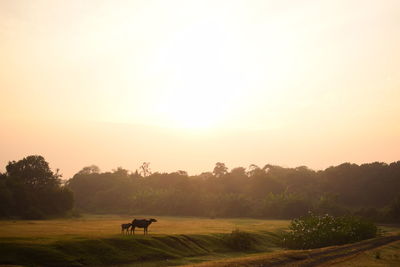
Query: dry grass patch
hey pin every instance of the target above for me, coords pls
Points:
(95, 226)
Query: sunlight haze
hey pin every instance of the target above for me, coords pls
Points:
(185, 84)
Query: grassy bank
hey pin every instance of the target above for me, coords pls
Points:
(96, 240)
(388, 255)
(126, 249)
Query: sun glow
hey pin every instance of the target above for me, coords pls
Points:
(201, 84)
(185, 84)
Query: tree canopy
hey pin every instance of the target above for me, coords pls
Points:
(30, 189)
(271, 191)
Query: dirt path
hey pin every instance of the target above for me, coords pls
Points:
(306, 258)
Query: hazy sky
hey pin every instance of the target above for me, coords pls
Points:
(184, 84)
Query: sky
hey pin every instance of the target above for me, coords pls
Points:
(184, 84)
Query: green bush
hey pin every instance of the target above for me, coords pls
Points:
(239, 240)
(314, 231)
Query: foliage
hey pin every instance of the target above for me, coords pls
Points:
(34, 172)
(269, 192)
(220, 169)
(314, 231)
(394, 209)
(328, 203)
(285, 206)
(31, 190)
(239, 240)
(367, 190)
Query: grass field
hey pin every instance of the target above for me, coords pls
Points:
(95, 226)
(96, 240)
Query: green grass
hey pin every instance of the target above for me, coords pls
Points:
(96, 240)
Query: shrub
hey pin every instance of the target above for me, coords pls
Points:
(73, 213)
(313, 231)
(239, 240)
(33, 213)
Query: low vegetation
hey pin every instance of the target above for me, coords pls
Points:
(240, 240)
(314, 231)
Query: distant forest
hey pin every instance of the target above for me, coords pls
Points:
(368, 190)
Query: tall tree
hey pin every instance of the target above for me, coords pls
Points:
(34, 172)
(36, 190)
(220, 169)
(145, 169)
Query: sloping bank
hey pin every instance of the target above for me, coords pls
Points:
(130, 249)
(311, 257)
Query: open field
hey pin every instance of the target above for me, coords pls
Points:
(96, 226)
(96, 240)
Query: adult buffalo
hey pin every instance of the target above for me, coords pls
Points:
(141, 223)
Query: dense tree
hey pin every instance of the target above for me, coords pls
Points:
(30, 189)
(7, 204)
(271, 191)
(220, 169)
(394, 209)
(34, 172)
(89, 170)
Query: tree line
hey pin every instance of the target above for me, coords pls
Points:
(369, 190)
